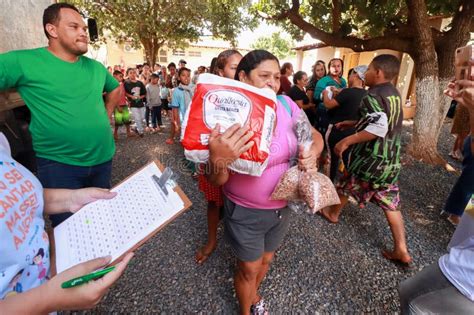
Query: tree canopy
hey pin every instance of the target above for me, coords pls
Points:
(174, 23)
(277, 45)
(401, 25)
(358, 24)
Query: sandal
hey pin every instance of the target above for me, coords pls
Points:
(169, 141)
(453, 219)
(260, 308)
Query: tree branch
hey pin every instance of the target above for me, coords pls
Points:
(356, 44)
(336, 16)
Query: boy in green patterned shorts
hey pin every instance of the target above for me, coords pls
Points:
(374, 163)
(121, 112)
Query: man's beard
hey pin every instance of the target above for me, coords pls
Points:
(75, 50)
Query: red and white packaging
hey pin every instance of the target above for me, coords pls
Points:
(227, 102)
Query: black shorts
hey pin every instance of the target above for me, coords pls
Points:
(165, 104)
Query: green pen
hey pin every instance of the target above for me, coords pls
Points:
(86, 278)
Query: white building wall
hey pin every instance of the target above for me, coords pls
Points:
(21, 24)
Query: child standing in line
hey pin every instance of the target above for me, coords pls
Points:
(374, 163)
(135, 92)
(121, 112)
(154, 102)
(226, 64)
(180, 100)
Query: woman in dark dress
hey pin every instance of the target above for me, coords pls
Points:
(342, 107)
(298, 92)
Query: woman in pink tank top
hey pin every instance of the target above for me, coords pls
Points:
(255, 225)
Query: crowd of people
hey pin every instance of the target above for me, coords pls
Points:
(356, 141)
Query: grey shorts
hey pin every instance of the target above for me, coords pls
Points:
(251, 232)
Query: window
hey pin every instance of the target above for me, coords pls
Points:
(163, 53)
(194, 54)
(178, 53)
(163, 59)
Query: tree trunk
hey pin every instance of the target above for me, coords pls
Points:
(426, 127)
(427, 122)
(151, 49)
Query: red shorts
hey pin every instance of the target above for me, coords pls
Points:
(211, 192)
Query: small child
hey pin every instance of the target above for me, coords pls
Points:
(374, 162)
(135, 92)
(154, 102)
(121, 112)
(182, 96)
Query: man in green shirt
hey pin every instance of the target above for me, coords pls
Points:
(63, 89)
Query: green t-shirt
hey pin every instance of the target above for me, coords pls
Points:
(69, 122)
(323, 83)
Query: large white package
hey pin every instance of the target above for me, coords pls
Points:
(227, 102)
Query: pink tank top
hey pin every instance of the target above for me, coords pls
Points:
(254, 192)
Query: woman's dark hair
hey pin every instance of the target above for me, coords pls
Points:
(212, 67)
(171, 65)
(337, 59)
(221, 59)
(298, 76)
(252, 59)
(320, 62)
(51, 14)
(284, 67)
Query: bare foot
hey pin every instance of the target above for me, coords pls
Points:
(203, 253)
(326, 213)
(399, 257)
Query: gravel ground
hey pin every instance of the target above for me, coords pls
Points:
(319, 268)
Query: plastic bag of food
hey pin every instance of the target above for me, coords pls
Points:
(317, 190)
(306, 191)
(287, 187)
(227, 102)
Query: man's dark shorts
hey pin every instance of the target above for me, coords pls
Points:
(251, 232)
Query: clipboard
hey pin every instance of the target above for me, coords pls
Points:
(162, 186)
